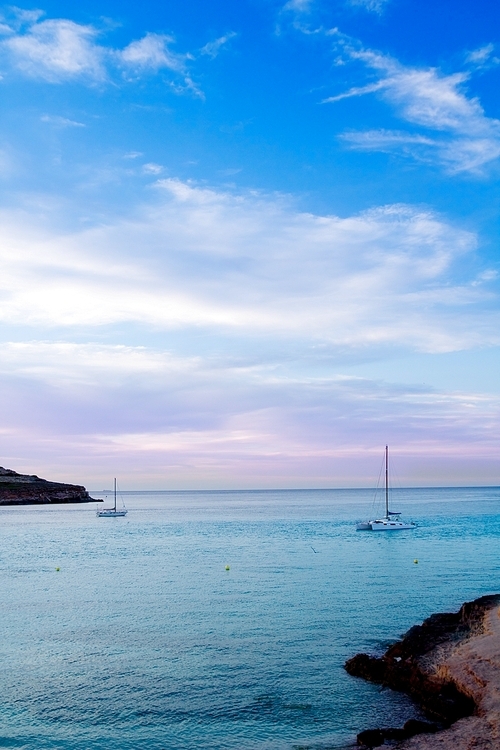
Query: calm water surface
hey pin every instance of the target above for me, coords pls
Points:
(142, 640)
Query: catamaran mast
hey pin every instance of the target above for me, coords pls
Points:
(115, 493)
(386, 481)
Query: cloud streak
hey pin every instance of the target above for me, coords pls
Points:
(457, 133)
(253, 264)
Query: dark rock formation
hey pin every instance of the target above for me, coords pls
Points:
(376, 737)
(370, 738)
(25, 489)
(409, 666)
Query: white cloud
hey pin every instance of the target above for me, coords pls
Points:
(370, 88)
(374, 6)
(152, 168)
(14, 18)
(212, 49)
(482, 57)
(386, 139)
(152, 53)
(481, 54)
(298, 6)
(68, 364)
(22, 16)
(62, 122)
(464, 138)
(252, 265)
(57, 49)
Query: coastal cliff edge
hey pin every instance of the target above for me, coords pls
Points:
(450, 667)
(28, 489)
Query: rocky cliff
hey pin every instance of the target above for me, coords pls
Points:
(28, 489)
(450, 666)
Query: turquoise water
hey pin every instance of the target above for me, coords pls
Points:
(142, 640)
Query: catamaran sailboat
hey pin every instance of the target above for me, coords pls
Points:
(113, 512)
(391, 521)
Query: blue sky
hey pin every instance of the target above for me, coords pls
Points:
(245, 244)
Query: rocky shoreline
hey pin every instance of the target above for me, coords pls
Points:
(28, 489)
(450, 667)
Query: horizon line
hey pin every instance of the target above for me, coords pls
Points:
(311, 489)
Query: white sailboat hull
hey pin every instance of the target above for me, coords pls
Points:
(385, 524)
(364, 526)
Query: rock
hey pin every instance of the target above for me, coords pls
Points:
(28, 489)
(377, 737)
(413, 727)
(401, 667)
(370, 738)
(441, 665)
(393, 733)
(370, 668)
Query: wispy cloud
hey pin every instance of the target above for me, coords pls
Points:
(212, 49)
(298, 6)
(253, 265)
(152, 52)
(59, 50)
(462, 138)
(373, 6)
(152, 168)
(386, 139)
(62, 122)
(482, 57)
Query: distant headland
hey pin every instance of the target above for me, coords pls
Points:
(28, 489)
(450, 666)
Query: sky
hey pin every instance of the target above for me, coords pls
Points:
(247, 243)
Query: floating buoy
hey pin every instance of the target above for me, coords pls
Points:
(58, 569)
(415, 561)
(227, 567)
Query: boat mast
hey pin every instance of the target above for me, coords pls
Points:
(115, 493)
(386, 481)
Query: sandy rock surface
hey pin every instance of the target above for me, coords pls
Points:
(474, 666)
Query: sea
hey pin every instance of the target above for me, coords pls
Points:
(222, 620)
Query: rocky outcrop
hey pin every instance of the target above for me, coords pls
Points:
(441, 665)
(28, 489)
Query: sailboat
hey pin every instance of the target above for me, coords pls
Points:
(391, 521)
(113, 512)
